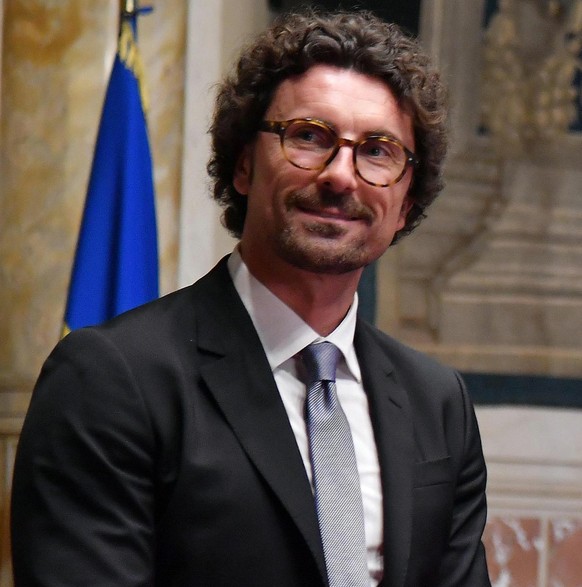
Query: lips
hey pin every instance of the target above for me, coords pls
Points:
(329, 214)
(330, 207)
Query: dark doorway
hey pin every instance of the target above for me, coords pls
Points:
(405, 13)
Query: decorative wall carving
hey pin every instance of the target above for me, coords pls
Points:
(531, 55)
(492, 280)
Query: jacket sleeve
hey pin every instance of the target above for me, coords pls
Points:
(82, 501)
(464, 563)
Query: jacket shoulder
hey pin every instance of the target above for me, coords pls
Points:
(402, 358)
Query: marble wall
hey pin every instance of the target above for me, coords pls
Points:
(529, 552)
(492, 280)
(534, 527)
(56, 61)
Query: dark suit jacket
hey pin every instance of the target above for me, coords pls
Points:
(157, 451)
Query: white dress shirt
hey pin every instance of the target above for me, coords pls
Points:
(283, 334)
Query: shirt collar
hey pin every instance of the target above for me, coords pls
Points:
(281, 331)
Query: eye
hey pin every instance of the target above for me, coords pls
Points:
(304, 134)
(381, 149)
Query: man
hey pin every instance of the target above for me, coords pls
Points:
(178, 445)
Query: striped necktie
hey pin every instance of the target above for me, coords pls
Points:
(338, 497)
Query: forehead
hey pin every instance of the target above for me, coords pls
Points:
(353, 102)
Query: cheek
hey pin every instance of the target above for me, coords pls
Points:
(260, 168)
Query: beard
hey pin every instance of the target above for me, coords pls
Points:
(317, 245)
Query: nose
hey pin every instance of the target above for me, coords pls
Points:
(339, 176)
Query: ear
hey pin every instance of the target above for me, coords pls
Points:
(407, 204)
(242, 178)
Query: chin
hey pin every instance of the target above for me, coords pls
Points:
(326, 258)
(326, 248)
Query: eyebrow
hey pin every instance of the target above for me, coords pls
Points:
(382, 133)
(377, 132)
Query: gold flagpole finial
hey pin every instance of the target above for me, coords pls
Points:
(129, 7)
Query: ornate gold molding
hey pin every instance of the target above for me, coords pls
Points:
(530, 59)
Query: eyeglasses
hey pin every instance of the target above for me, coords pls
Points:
(312, 144)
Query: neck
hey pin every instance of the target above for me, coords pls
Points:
(322, 300)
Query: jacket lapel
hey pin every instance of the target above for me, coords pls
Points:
(239, 377)
(390, 413)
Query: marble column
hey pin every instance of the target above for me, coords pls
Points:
(208, 55)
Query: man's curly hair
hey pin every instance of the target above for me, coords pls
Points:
(358, 41)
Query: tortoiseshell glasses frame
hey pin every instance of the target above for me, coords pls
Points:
(312, 144)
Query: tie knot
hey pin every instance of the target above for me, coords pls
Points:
(320, 361)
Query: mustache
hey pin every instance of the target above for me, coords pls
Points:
(317, 200)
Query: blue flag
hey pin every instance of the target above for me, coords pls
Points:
(116, 262)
